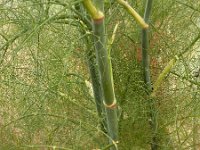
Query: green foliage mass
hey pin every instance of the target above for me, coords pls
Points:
(44, 101)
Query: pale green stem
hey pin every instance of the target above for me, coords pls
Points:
(133, 13)
(170, 65)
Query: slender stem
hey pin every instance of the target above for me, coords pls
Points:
(145, 47)
(98, 95)
(105, 69)
(145, 60)
(91, 60)
(170, 65)
(162, 75)
(105, 72)
(133, 13)
(147, 78)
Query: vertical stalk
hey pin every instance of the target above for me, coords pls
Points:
(98, 96)
(105, 71)
(104, 67)
(91, 61)
(145, 47)
(147, 76)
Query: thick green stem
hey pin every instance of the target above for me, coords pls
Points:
(145, 60)
(98, 95)
(91, 60)
(145, 47)
(105, 72)
(95, 13)
(147, 77)
(105, 69)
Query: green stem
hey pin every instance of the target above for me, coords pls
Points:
(161, 77)
(95, 13)
(145, 60)
(147, 78)
(105, 69)
(105, 72)
(98, 95)
(133, 13)
(145, 47)
(170, 65)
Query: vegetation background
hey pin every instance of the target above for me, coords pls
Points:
(46, 99)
